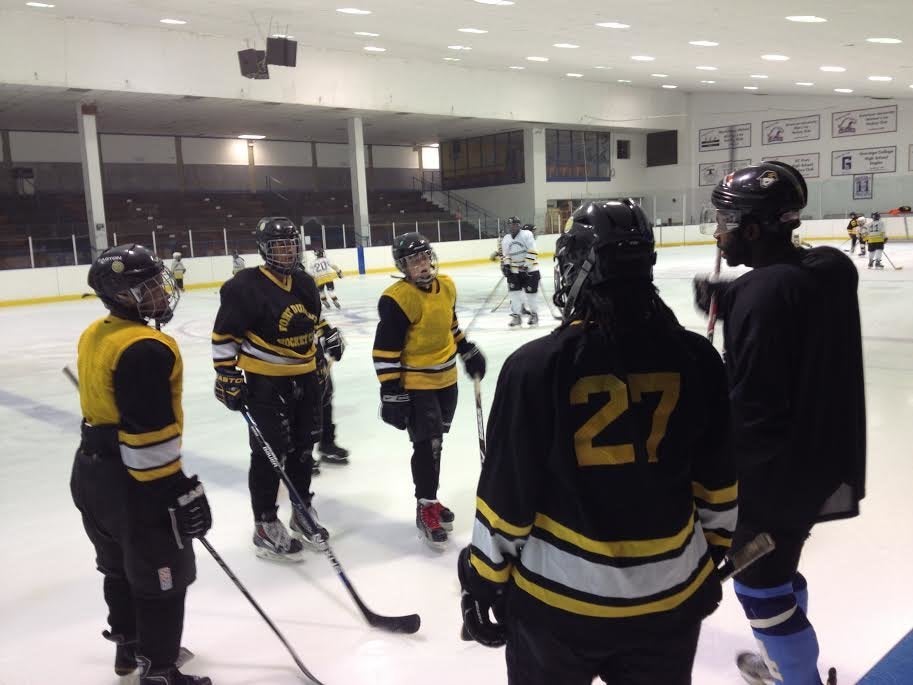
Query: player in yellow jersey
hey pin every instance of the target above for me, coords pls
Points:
(138, 507)
(415, 348)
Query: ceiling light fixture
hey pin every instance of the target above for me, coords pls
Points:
(804, 83)
(374, 48)
(660, 75)
(517, 68)
(883, 41)
(834, 70)
(704, 68)
(843, 90)
(881, 78)
(758, 76)
(601, 67)
(368, 34)
(502, 3)
(750, 87)
(775, 58)
(703, 43)
(251, 136)
(624, 80)
(642, 58)
(472, 30)
(537, 59)
(669, 86)
(612, 25)
(458, 47)
(708, 81)
(569, 46)
(574, 75)
(176, 22)
(42, 5)
(352, 10)
(806, 19)
(451, 59)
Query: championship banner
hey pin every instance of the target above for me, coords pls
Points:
(724, 137)
(792, 130)
(863, 122)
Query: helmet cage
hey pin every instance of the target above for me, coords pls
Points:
(282, 255)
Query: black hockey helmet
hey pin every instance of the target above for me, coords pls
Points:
(771, 193)
(279, 243)
(529, 227)
(133, 283)
(876, 216)
(513, 225)
(608, 241)
(410, 248)
(319, 252)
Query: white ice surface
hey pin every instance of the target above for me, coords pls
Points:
(50, 594)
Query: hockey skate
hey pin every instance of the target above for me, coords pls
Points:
(313, 538)
(331, 453)
(124, 653)
(533, 319)
(166, 676)
(753, 669)
(878, 265)
(273, 542)
(445, 515)
(336, 303)
(428, 522)
(514, 321)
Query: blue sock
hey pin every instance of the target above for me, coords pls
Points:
(800, 590)
(787, 640)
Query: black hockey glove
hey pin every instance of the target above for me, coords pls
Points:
(473, 359)
(231, 390)
(505, 269)
(191, 518)
(332, 343)
(478, 597)
(394, 404)
(704, 290)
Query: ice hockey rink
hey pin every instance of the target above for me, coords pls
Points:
(51, 599)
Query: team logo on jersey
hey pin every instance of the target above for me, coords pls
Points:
(767, 179)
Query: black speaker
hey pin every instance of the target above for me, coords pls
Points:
(253, 64)
(281, 52)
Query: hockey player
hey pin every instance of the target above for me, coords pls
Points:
(599, 522)
(852, 228)
(794, 356)
(415, 348)
(237, 263)
(138, 507)
(520, 265)
(875, 239)
(861, 221)
(324, 274)
(178, 268)
(330, 346)
(264, 347)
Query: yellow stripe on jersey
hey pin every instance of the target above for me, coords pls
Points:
(620, 548)
(224, 337)
(717, 539)
(285, 283)
(278, 349)
(150, 438)
(497, 523)
(157, 473)
(721, 496)
(265, 368)
(577, 606)
(489, 573)
(386, 354)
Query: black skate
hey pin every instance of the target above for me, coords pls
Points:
(832, 676)
(314, 538)
(166, 676)
(331, 453)
(753, 669)
(124, 653)
(336, 303)
(273, 542)
(533, 319)
(428, 521)
(446, 517)
(514, 321)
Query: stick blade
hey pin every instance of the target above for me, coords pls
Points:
(397, 624)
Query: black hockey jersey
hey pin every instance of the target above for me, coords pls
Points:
(608, 481)
(794, 358)
(417, 335)
(130, 381)
(267, 323)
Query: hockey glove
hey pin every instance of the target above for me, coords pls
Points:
(477, 599)
(191, 518)
(704, 290)
(505, 269)
(395, 404)
(231, 390)
(473, 359)
(332, 343)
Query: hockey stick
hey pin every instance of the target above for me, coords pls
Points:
(480, 418)
(714, 305)
(548, 303)
(500, 303)
(738, 560)
(484, 305)
(186, 654)
(393, 624)
(896, 268)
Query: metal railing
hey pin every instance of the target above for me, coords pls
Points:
(453, 203)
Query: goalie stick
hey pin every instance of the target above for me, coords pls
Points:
(393, 624)
(185, 654)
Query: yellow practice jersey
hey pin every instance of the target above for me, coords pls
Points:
(417, 336)
(130, 377)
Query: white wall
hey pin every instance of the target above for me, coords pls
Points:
(332, 155)
(224, 151)
(394, 157)
(281, 153)
(138, 149)
(29, 146)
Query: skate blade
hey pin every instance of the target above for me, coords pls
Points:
(435, 546)
(268, 555)
(309, 545)
(333, 461)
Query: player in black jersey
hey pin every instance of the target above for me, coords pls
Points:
(138, 507)
(418, 338)
(794, 358)
(608, 489)
(267, 328)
